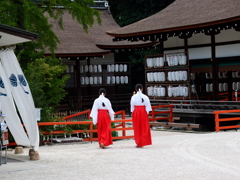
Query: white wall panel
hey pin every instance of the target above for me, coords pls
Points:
(173, 42)
(200, 53)
(199, 38)
(227, 35)
(228, 50)
(107, 59)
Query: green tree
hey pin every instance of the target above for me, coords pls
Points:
(127, 12)
(43, 74)
(46, 82)
(33, 16)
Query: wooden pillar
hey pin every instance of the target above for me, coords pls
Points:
(214, 68)
(189, 73)
(161, 47)
(229, 80)
(89, 87)
(78, 79)
(186, 45)
(116, 59)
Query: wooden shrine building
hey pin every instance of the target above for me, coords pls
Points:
(207, 32)
(88, 57)
(198, 64)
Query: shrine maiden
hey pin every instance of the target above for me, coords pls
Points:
(102, 114)
(140, 107)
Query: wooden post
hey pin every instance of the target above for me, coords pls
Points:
(170, 115)
(78, 79)
(214, 68)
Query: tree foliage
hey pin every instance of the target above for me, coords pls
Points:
(33, 16)
(43, 74)
(127, 12)
(46, 82)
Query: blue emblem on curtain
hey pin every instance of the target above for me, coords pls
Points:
(22, 82)
(13, 80)
(2, 86)
(14, 83)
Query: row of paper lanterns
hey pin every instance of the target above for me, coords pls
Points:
(172, 60)
(70, 68)
(98, 68)
(236, 86)
(176, 59)
(91, 80)
(222, 75)
(117, 79)
(172, 91)
(90, 68)
(172, 76)
(222, 87)
(117, 68)
(109, 80)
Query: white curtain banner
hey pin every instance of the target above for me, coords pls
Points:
(8, 107)
(22, 96)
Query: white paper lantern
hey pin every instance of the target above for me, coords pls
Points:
(82, 80)
(126, 79)
(125, 67)
(81, 69)
(112, 68)
(109, 68)
(86, 68)
(108, 79)
(95, 80)
(122, 79)
(86, 80)
(116, 67)
(117, 80)
(120, 68)
(113, 79)
(95, 68)
(99, 68)
(90, 68)
(91, 80)
(99, 80)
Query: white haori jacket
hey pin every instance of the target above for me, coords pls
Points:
(98, 105)
(136, 100)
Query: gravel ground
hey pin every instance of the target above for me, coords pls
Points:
(173, 155)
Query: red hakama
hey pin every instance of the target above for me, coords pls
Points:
(104, 128)
(141, 126)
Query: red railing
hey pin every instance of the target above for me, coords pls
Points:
(121, 123)
(67, 118)
(120, 127)
(218, 119)
(166, 109)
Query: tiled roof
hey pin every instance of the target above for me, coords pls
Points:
(74, 41)
(183, 14)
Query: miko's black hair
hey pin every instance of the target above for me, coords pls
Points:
(137, 87)
(102, 90)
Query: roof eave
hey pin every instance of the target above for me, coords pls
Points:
(79, 54)
(126, 46)
(202, 25)
(18, 32)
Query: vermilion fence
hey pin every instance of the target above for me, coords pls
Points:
(218, 119)
(124, 125)
(120, 127)
(68, 118)
(164, 110)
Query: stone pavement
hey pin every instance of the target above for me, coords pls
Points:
(173, 155)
